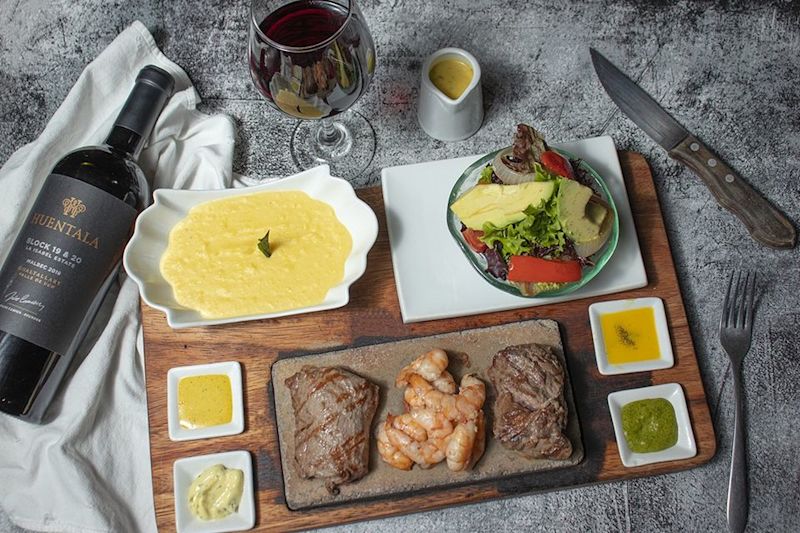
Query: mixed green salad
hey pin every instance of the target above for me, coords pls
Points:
(534, 216)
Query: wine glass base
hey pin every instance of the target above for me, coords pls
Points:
(350, 154)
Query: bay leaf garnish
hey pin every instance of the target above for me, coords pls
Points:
(263, 245)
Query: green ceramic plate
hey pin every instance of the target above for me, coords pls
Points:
(468, 180)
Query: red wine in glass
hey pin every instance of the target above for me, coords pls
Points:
(311, 58)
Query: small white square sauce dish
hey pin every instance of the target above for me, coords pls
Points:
(685, 448)
(665, 357)
(233, 370)
(184, 472)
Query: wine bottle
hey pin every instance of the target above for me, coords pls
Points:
(68, 250)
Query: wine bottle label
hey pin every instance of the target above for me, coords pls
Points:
(71, 241)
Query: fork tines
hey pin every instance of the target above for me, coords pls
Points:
(737, 309)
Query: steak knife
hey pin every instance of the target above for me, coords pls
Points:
(766, 224)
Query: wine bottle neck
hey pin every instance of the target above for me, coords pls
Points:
(125, 141)
(135, 122)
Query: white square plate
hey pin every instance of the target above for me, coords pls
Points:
(665, 360)
(685, 448)
(231, 369)
(184, 471)
(434, 280)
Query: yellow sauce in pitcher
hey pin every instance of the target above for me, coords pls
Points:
(451, 76)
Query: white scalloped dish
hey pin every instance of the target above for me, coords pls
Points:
(151, 235)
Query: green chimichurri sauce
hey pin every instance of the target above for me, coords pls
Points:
(649, 425)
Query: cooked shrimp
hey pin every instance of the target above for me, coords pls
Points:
(444, 383)
(437, 426)
(459, 407)
(425, 454)
(412, 400)
(410, 426)
(429, 365)
(389, 453)
(480, 441)
(473, 393)
(439, 423)
(422, 393)
(460, 446)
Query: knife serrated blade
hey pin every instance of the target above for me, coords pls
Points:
(637, 104)
(765, 223)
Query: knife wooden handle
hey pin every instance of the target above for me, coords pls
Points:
(766, 224)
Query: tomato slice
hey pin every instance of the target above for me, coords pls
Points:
(526, 269)
(557, 164)
(472, 236)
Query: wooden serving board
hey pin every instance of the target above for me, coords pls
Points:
(469, 352)
(372, 317)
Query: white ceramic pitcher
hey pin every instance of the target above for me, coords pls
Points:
(442, 117)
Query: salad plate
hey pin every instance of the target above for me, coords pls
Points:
(471, 176)
(432, 277)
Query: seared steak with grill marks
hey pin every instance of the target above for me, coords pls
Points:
(333, 412)
(530, 413)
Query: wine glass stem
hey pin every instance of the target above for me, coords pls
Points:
(328, 136)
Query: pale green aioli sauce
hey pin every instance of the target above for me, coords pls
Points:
(216, 492)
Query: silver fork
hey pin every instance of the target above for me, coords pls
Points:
(735, 335)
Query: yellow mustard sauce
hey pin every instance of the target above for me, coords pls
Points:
(630, 336)
(205, 401)
(214, 264)
(216, 492)
(451, 76)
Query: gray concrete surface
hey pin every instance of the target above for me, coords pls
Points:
(729, 71)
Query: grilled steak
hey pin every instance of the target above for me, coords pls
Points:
(530, 414)
(333, 412)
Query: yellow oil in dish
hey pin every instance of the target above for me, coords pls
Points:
(451, 76)
(630, 336)
(216, 266)
(205, 401)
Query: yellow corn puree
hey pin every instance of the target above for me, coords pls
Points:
(451, 76)
(205, 401)
(214, 264)
(630, 336)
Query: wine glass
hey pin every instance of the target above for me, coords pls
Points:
(312, 59)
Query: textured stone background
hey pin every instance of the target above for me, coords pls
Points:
(729, 71)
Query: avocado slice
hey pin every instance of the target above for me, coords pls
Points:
(597, 206)
(586, 218)
(579, 223)
(596, 210)
(501, 204)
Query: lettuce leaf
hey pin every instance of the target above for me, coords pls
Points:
(495, 264)
(539, 233)
(486, 175)
(542, 174)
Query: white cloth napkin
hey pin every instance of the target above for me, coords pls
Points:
(88, 468)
